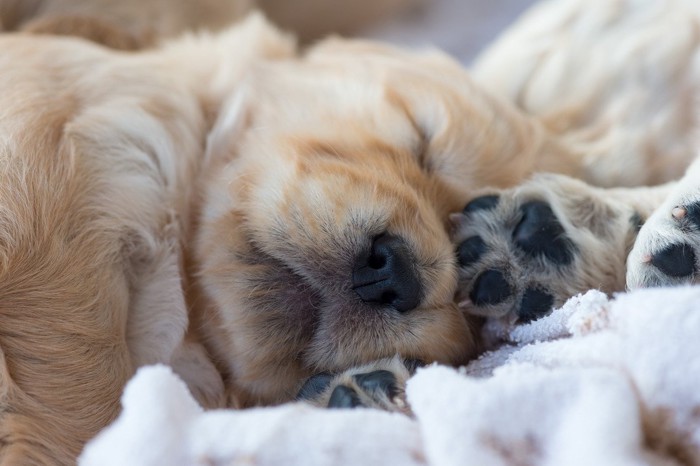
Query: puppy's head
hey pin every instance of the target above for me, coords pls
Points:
(323, 238)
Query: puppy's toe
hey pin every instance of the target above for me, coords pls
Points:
(377, 385)
(490, 287)
(535, 303)
(540, 234)
(344, 397)
(315, 386)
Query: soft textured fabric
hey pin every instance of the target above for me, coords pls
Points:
(599, 381)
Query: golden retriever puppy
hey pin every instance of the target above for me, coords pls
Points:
(614, 86)
(248, 214)
(264, 219)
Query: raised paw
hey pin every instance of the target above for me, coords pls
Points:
(668, 247)
(377, 385)
(524, 251)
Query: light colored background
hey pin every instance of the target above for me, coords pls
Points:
(460, 27)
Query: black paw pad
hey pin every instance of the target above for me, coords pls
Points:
(693, 214)
(470, 250)
(378, 381)
(344, 397)
(539, 233)
(637, 221)
(482, 203)
(536, 303)
(677, 260)
(413, 364)
(314, 386)
(491, 287)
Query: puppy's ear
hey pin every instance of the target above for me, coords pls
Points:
(231, 120)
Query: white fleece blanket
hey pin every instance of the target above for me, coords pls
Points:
(597, 382)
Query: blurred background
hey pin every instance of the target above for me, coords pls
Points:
(460, 27)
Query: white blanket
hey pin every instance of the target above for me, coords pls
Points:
(598, 382)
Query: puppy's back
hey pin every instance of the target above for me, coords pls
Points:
(87, 193)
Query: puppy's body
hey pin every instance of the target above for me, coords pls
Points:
(213, 176)
(617, 81)
(275, 198)
(101, 159)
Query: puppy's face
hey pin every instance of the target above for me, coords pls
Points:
(323, 240)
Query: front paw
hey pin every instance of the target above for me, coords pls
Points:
(377, 385)
(523, 251)
(668, 247)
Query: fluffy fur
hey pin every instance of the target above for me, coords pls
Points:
(203, 204)
(617, 84)
(130, 194)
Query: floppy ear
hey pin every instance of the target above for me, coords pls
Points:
(467, 135)
(471, 135)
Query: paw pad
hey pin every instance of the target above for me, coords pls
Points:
(491, 287)
(380, 388)
(536, 303)
(540, 233)
(693, 214)
(470, 250)
(677, 260)
(487, 202)
(344, 397)
(314, 386)
(378, 382)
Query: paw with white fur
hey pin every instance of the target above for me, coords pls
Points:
(668, 246)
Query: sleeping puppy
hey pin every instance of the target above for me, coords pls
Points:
(613, 86)
(223, 204)
(264, 220)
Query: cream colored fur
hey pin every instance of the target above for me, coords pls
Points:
(202, 204)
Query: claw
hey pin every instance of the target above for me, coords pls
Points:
(466, 303)
(679, 212)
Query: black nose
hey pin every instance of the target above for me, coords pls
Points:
(386, 275)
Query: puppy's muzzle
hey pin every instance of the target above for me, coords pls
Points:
(387, 275)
